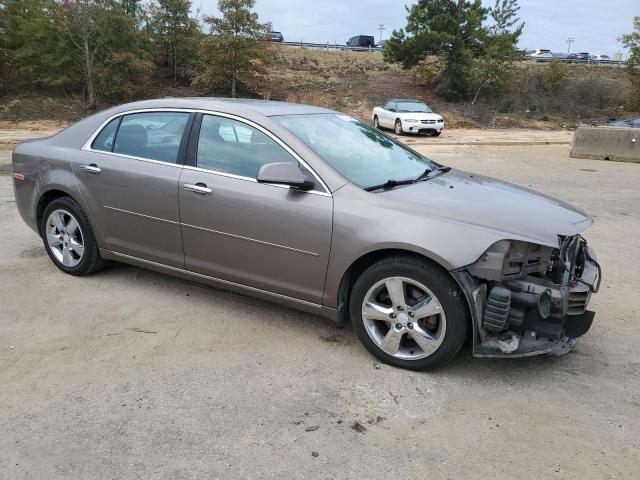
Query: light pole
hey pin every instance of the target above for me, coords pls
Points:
(570, 40)
(381, 28)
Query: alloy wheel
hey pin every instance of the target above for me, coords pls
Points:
(404, 318)
(65, 238)
(398, 127)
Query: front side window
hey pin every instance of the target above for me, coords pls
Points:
(360, 153)
(151, 135)
(233, 147)
(104, 140)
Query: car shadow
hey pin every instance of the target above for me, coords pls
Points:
(465, 365)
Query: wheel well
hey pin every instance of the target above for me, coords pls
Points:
(45, 200)
(360, 265)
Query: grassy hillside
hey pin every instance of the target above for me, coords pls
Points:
(540, 96)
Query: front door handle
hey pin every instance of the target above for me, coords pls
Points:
(91, 168)
(199, 188)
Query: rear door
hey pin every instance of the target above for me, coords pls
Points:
(236, 229)
(128, 177)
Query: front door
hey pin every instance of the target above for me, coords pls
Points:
(129, 181)
(236, 229)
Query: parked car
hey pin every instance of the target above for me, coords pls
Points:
(365, 41)
(600, 58)
(276, 37)
(407, 116)
(583, 56)
(539, 54)
(631, 122)
(317, 210)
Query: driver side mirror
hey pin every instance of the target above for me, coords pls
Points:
(284, 173)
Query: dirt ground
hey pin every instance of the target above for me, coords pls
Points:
(133, 374)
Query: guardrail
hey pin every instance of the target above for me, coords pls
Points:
(338, 47)
(575, 60)
(328, 46)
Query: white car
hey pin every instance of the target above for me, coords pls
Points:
(407, 116)
(539, 54)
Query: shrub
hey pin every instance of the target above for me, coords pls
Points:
(124, 77)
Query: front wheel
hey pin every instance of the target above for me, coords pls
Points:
(398, 127)
(437, 133)
(376, 123)
(409, 313)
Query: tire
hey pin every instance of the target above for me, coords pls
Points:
(436, 133)
(56, 240)
(398, 127)
(376, 123)
(376, 320)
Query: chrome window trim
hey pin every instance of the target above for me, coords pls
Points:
(87, 146)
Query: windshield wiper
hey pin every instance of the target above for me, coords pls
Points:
(391, 183)
(430, 173)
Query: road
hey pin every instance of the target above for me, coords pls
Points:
(133, 374)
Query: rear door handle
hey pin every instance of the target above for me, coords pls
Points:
(199, 188)
(91, 168)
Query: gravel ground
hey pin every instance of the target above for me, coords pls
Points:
(132, 374)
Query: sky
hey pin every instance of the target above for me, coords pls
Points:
(595, 25)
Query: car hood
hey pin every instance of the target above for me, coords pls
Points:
(516, 212)
(419, 116)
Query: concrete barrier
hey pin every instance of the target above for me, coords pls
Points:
(618, 144)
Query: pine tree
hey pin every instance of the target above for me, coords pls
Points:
(236, 48)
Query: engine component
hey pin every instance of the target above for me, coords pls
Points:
(541, 303)
(505, 308)
(496, 310)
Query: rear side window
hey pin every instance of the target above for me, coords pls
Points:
(104, 140)
(151, 135)
(229, 146)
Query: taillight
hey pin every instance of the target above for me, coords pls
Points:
(18, 176)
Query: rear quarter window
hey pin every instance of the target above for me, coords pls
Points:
(104, 140)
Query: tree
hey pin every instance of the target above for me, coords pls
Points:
(632, 42)
(176, 34)
(236, 49)
(130, 7)
(32, 52)
(499, 54)
(96, 30)
(80, 24)
(451, 29)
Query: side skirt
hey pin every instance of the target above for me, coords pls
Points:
(278, 298)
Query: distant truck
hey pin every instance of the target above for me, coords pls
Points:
(365, 41)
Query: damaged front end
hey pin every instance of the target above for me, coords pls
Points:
(529, 299)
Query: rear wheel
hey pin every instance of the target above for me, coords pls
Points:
(69, 239)
(398, 127)
(408, 313)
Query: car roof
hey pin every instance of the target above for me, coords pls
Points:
(262, 107)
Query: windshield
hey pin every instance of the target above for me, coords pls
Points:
(360, 153)
(413, 107)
